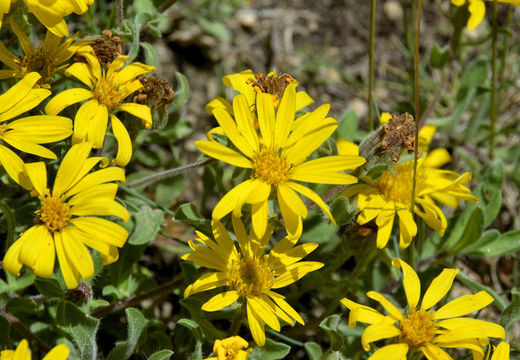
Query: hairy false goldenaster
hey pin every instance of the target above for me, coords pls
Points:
(106, 96)
(22, 352)
(231, 348)
(250, 274)
(68, 218)
(276, 155)
(50, 12)
(47, 59)
(421, 328)
(27, 133)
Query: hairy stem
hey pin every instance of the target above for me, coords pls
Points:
(169, 173)
(24, 331)
(493, 107)
(371, 65)
(145, 199)
(119, 5)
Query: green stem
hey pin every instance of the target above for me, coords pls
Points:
(24, 331)
(123, 304)
(119, 5)
(493, 109)
(169, 173)
(235, 323)
(416, 95)
(371, 65)
(143, 198)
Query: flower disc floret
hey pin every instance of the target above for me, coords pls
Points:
(251, 277)
(418, 327)
(396, 185)
(269, 167)
(54, 213)
(107, 92)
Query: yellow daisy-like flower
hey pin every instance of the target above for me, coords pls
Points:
(22, 352)
(276, 156)
(47, 59)
(249, 85)
(50, 12)
(422, 329)
(105, 98)
(231, 348)
(477, 10)
(27, 133)
(68, 218)
(501, 352)
(250, 274)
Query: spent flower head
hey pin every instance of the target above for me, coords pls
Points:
(250, 275)
(70, 218)
(421, 328)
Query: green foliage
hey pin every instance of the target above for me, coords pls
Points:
(136, 325)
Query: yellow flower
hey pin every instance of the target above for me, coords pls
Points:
(25, 134)
(105, 98)
(47, 59)
(50, 12)
(22, 352)
(231, 348)
(249, 85)
(67, 218)
(276, 156)
(477, 10)
(501, 352)
(422, 329)
(250, 274)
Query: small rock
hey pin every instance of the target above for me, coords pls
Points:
(393, 10)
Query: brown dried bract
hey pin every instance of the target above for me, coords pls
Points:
(107, 48)
(273, 84)
(155, 92)
(399, 133)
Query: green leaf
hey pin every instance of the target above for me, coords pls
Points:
(136, 324)
(5, 333)
(342, 210)
(182, 92)
(506, 244)
(17, 283)
(474, 76)
(313, 350)
(215, 28)
(20, 304)
(330, 325)
(168, 190)
(209, 332)
(80, 327)
(487, 237)
(189, 215)
(512, 313)
(456, 227)
(272, 350)
(128, 255)
(439, 57)
(193, 326)
(49, 287)
(472, 231)
(161, 355)
(490, 191)
(149, 54)
(148, 222)
(348, 124)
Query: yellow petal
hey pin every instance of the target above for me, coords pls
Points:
(464, 305)
(438, 288)
(98, 126)
(433, 352)
(264, 312)
(266, 122)
(60, 352)
(220, 301)
(30, 101)
(391, 352)
(285, 116)
(386, 304)
(101, 207)
(256, 325)
(28, 147)
(232, 198)
(96, 178)
(407, 228)
(77, 253)
(292, 209)
(412, 284)
(295, 272)
(477, 10)
(279, 300)
(70, 167)
(66, 98)
(302, 100)
(376, 332)
(346, 147)
(143, 112)
(229, 127)
(7, 57)
(219, 102)
(259, 216)
(501, 352)
(245, 120)
(69, 272)
(14, 166)
(124, 144)
(305, 191)
(239, 83)
(207, 282)
(102, 230)
(385, 225)
(11, 261)
(83, 119)
(221, 152)
(361, 313)
(18, 92)
(489, 328)
(41, 129)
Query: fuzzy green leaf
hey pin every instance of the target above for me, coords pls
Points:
(136, 324)
(148, 222)
(272, 350)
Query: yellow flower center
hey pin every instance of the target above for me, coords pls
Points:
(418, 327)
(107, 93)
(251, 277)
(41, 63)
(273, 84)
(54, 213)
(398, 186)
(270, 168)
